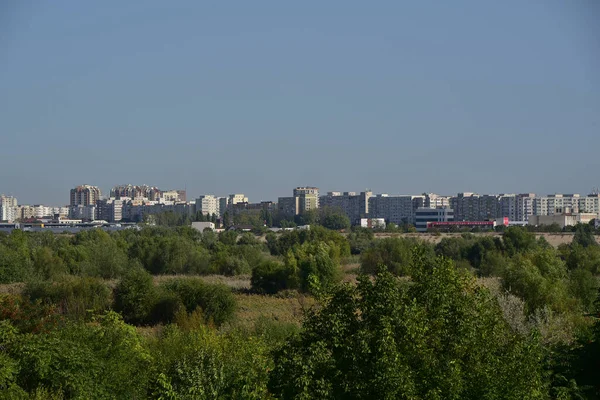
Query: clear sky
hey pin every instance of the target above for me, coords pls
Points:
(261, 96)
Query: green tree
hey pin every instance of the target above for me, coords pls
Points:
(518, 240)
(134, 295)
(584, 236)
(440, 337)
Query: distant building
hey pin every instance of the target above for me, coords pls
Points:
(8, 208)
(433, 200)
(525, 206)
(304, 199)
(562, 220)
(84, 195)
(237, 198)
(372, 223)
(110, 210)
(556, 204)
(207, 205)
(151, 193)
(469, 206)
(84, 213)
(426, 215)
(354, 205)
(223, 205)
(201, 226)
(182, 196)
(395, 209)
(309, 196)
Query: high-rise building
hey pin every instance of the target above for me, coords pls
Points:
(433, 200)
(151, 193)
(110, 210)
(525, 206)
(507, 206)
(304, 199)
(395, 209)
(556, 204)
(354, 205)
(469, 206)
(308, 192)
(8, 208)
(590, 204)
(237, 198)
(85, 195)
(207, 205)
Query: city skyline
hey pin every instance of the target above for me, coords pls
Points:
(257, 198)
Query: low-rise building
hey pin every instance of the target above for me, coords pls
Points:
(425, 215)
(562, 220)
(201, 226)
(372, 223)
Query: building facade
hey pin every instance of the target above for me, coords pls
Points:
(354, 205)
(425, 215)
(207, 205)
(84, 195)
(395, 209)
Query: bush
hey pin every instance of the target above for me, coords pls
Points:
(270, 277)
(74, 296)
(134, 295)
(165, 307)
(216, 300)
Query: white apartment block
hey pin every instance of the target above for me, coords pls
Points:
(395, 209)
(590, 204)
(237, 198)
(8, 208)
(207, 205)
(525, 204)
(433, 200)
(555, 204)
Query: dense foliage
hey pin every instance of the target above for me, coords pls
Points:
(473, 316)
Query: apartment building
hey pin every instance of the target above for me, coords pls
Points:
(84, 195)
(354, 205)
(525, 206)
(556, 204)
(110, 210)
(237, 198)
(507, 206)
(304, 199)
(395, 209)
(8, 208)
(470, 206)
(208, 205)
(433, 200)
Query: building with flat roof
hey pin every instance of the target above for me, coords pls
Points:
(562, 220)
(354, 205)
(425, 215)
(84, 195)
(395, 209)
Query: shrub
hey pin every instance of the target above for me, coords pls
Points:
(74, 296)
(134, 295)
(270, 277)
(215, 300)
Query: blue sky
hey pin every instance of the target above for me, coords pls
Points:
(259, 97)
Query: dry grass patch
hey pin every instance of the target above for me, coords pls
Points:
(252, 307)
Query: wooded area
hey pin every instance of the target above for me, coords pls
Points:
(132, 315)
